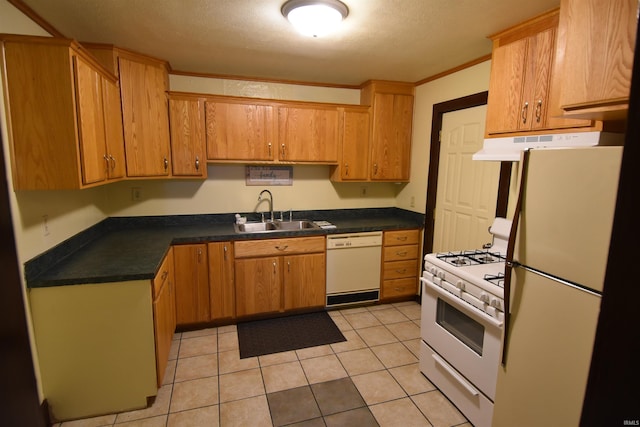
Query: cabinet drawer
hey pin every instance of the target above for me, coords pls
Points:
(401, 237)
(398, 253)
(399, 287)
(270, 247)
(163, 274)
(399, 269)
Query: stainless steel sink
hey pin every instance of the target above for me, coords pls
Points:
(296, 225)
(269, 227)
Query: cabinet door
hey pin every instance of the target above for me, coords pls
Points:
(308, 134)
(221, 280)
(600, 40)
(186, 117)
(192, 283)
(164, 316)
(391, 139)
(536, 83)
(239, 131)
(304, 281)
(257, 285)
(114, 135)
(354, 162)
(90, 122)
(504, 104)
(145, 118)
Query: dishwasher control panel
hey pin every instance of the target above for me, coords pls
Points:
(354, 240)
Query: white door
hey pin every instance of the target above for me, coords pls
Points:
(467, 189)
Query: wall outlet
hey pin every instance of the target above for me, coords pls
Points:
(363, 191)
(412, 202)
(45, 225)
(136, 193)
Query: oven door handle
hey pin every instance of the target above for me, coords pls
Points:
(464, 383)
(458, 301)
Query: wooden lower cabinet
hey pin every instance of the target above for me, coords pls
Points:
(400, 264)
(304, 281)
(276, 275)
(164, 313)
(192, 283)
(221, 281)
(258, 285)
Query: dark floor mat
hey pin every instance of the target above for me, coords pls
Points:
(261, 337)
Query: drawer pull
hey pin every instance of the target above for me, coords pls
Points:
(401, 238)
(164, 275)
(404, 270)
(401, 253)
(282, 248)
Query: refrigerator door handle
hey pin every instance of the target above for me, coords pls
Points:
(558, 280)
(511, 243)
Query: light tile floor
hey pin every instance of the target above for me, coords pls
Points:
(371, 379)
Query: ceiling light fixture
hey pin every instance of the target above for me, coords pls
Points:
(315, 18)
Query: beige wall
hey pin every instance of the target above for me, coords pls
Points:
(466, 82)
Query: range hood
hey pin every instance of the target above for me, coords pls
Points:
(508, 149)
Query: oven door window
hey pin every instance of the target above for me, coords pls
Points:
(461, 326)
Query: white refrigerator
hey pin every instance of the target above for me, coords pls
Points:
(560, 258)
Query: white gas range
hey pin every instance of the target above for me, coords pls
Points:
(461, 326)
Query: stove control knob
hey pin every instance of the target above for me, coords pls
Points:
(484, 297)
(433, 270)
(460, 285)
(441, 274)
(495, 302)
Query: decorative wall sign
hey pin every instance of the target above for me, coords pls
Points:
(269, 175)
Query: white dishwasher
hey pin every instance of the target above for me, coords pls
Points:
(353, 267)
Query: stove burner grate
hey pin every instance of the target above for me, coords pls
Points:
(496, 279)
(473, 257)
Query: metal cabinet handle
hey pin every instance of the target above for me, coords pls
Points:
(401, 238)
(106, 159)
(288, 266)
(375, 168)
(225, 252)
(539, 111)
(283, 149)
(112, 161)
(164, 275)
(402, 253)
(404, 270)
(199, 256)
(269, 145)
(166, 164)
(197, 163)
(274, 267)
(346, 169)
(525, 108)
(282, 248)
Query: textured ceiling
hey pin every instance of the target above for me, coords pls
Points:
(404, 40)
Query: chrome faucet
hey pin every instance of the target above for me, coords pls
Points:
(270, 203)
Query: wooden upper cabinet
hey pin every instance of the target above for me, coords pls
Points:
(392, 115)
(143, 86)
(239, 130)
(598, 57)
(521, 98)
(116, 163)
(60, 126)
(353, 164)
(308, 134)
(90, 122)
(187, 123)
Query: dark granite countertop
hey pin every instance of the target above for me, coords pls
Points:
(132, 248)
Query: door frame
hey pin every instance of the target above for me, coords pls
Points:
(439, 110)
